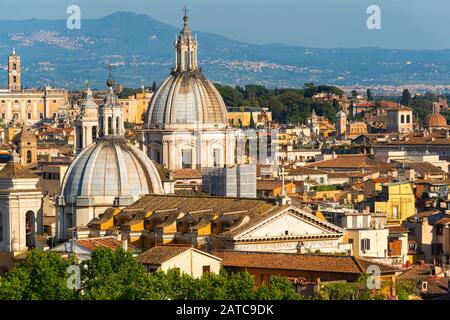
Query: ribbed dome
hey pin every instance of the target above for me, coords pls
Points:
(187, 98)
(435, 120)
(108, 169)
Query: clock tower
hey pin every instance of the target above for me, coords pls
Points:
(14, 83)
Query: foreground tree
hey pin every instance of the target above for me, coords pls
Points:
(116, 275)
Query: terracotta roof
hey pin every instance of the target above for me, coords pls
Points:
(187, 174)
(268, 184)
(397, 229)
(16, 171)
(301, 262)
(160, 254)
(217, 205)
(437, 286)
(304, 171)
(103, 242)
(424, 168)
(350, 162)
(437, 137)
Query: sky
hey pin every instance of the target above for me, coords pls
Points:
(405, 24)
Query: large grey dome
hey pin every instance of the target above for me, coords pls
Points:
(109, 169)
(187, 98)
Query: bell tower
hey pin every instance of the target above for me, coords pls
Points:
(14, 81)
(110, 112)
(186, 48)
(86, 123)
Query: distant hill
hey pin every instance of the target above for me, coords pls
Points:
(141, 48)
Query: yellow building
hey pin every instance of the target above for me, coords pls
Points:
(355, 129)
(397, 201)
(28, 105)
(135, 106)
(242, 119)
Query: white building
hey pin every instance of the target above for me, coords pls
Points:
(20, 207)
(188, 260)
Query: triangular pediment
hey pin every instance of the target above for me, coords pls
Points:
(291, 222)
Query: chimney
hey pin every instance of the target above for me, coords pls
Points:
(125, 244)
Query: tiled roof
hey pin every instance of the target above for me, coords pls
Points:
(350, 161)
(160, 254)
(397, 229)
(425, 167)
(217, 205)
(268, 184)
(305, 171)
(301, 262)
(103, 242)
(437, 137)
(16, 171)
(187, 174)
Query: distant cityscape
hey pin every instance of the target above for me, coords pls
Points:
(274, 182)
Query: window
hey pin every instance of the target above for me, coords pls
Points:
(408, 119)
(29, 115)
(14, 66)
(94, 133)
(1, 226)
(216, 157)
(206, 269)
(186, 155)
(41, 116)
(29, 157)
(402, 119)
(15, 79)
(395, 214)
(109, 125)
(365, 245)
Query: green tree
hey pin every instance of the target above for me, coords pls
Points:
(354, 94)
(406, 98)
(278, 289)
(42, 276)
(113, 274)
(369, 95)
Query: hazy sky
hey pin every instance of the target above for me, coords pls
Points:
(415, 24)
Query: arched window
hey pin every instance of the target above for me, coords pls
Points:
(29, 157)
(30, 229)
(110, 126)
(1, 226)
(402, 119)
(118, 125)
(408, 119)
(94, 133)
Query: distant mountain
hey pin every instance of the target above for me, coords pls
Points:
(141, 49)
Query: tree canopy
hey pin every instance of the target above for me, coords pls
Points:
(117, 275)
(286, 105)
